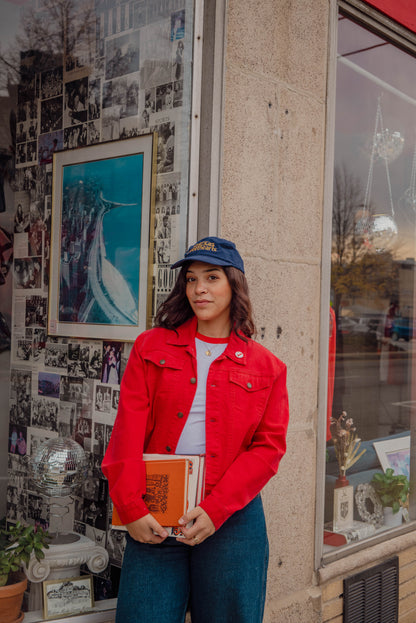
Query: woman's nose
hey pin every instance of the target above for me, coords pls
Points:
(200, 287)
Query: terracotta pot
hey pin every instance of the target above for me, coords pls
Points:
(11, 597)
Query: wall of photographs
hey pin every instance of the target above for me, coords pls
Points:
(109, 71)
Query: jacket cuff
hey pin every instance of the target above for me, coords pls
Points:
(128, 514)
(217, 515)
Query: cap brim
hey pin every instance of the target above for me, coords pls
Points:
(208, 259)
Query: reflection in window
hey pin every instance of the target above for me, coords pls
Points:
(372, 272)
(75, 74)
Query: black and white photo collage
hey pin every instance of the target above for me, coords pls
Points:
(122, 77)
(127, 74)
(74, 393)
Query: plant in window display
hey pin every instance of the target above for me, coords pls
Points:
(347, 444)
(17, 543)
(391, 488)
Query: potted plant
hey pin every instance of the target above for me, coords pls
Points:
(17, 543)
(392, 489)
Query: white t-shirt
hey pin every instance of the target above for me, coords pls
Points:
(192, 439)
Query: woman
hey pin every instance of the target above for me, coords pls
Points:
(197, 383)
(21, 220)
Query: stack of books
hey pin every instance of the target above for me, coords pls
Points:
(174, 485)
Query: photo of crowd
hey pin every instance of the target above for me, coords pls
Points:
(51, 115)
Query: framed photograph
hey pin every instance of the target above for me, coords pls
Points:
(67, 597)
(102, 216)
(394, 453)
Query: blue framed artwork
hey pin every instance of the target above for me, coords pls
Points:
(102, 210)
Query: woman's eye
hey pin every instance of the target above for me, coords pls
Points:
(189, 279)
(213, 277)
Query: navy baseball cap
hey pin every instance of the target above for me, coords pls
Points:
(213, 251)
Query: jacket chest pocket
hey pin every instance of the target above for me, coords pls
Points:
(164, 372)
(249, 394)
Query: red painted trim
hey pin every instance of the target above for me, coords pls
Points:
(402, 11)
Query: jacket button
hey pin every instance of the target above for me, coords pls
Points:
(213, 456)
(213, 419)
(162, 362)
(193, 380)
(179, 414)
(168, 449)
(249, 385)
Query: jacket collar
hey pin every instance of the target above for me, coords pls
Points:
(185, 336)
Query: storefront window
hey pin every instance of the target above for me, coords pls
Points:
(76, 74)
(372, 338)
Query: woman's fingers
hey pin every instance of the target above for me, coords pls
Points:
(147, 530)
(201, 529)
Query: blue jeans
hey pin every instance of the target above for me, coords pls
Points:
(223, 579)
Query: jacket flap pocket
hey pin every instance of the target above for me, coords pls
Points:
(250, 382)
(162, 359)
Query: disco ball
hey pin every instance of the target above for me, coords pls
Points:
(383, 231)
(58, 467)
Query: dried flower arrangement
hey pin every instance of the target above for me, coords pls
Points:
(346, 443)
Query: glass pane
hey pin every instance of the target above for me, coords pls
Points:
(75, 74)
(372, 278)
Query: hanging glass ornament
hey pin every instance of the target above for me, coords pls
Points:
(408, 199)
(382, 232)
(389, 145)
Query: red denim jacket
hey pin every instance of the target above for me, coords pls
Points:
(246, 419)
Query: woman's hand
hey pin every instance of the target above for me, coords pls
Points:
(201, 529)
(147, 530)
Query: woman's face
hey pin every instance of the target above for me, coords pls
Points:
(209, 294)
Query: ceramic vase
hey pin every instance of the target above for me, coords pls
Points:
(392, 520)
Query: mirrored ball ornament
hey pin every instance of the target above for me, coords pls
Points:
(58, 467)
(383, 231)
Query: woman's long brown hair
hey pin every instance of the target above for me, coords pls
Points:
(176, 310)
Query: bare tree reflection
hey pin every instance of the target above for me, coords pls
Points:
(358, 269)
(53, 31)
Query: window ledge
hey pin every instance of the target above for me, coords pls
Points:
(365, 553)
(103, 612)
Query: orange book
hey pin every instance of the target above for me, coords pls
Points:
(166, 490)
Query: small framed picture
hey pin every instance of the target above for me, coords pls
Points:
(394, 453)
(67, 596)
